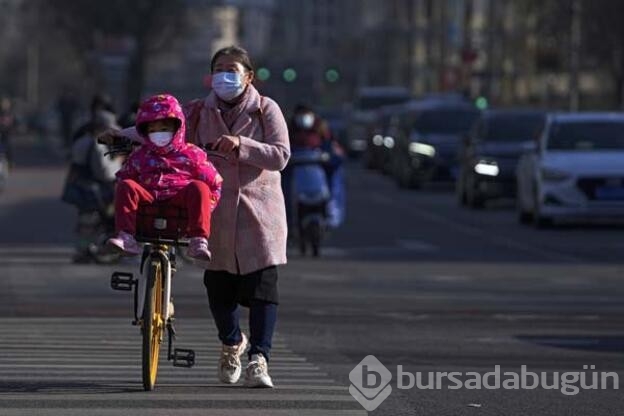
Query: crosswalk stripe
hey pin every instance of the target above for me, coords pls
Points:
(69, 366)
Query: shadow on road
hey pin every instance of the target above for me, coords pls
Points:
(63, 388)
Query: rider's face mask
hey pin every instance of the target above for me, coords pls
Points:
(228, 85)
(161, 138)
(305, 121)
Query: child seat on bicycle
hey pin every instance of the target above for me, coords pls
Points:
(165, 169)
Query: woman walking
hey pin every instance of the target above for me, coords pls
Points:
(249, 239)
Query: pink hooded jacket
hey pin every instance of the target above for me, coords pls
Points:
(164, 171)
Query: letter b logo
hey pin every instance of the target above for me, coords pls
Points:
(370, 383)
(371, 379)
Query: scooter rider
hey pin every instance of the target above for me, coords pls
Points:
(308, 131)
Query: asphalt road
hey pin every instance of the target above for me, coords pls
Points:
(411, 278)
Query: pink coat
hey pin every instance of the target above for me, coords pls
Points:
(164, 171)
(249, 225)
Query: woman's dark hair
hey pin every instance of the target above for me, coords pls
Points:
(237, 53)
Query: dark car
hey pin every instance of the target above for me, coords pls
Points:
(427, 148)
(362, 119)
(490, 154)
(382, 137)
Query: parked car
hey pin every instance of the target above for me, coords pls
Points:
(430, 135)
(575, 171)
(490, 153)
(363, 116)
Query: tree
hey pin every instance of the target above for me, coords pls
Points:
(604, 39)
(149, 24)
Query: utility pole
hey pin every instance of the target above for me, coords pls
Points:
(575, 54)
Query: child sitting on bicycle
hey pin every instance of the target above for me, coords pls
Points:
(165, 168)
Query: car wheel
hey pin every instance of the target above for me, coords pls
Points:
(524, 217)
(543, 222)
(540, 221)
(474, 198)
(461, 196)
(402, 175)
(460, 191)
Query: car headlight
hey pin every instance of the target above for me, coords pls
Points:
(422, 149)
(554, 175)
(378, 140)
(487, 168)
(388, 142)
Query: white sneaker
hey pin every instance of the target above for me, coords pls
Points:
(230, 367)
(257, 373)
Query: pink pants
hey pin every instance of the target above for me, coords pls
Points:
(195, 197)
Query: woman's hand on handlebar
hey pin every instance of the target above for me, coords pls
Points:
(226, 144)
(112, 137)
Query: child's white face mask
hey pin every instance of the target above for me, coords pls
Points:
(161, 138)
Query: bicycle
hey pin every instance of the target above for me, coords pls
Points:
(161, 228)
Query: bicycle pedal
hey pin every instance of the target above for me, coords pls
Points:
(183, 358)
(123, 281)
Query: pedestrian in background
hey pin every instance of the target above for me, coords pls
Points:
(99, 102)
(94, 175)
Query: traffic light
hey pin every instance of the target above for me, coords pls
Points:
(263, 74)
(289, 75)
(332, 75)
(481, 103)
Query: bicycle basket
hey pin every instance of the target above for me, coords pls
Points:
(160, 221)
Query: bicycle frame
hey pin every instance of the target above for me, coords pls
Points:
(159, 316)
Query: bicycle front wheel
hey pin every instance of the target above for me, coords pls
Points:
(153, 324)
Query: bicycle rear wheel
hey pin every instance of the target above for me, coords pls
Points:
(153, 324)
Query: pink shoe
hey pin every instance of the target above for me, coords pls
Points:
(125, 243)
(198, 249)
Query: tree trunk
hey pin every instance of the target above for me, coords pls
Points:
(136, 72)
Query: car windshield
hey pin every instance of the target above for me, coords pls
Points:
(587, 135)
(513, 128)
(451, 121)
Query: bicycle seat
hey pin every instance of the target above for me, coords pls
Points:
(161, 223)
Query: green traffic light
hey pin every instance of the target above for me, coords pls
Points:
(263, 74)
(481, 103)
(290, 75)
(332, 75)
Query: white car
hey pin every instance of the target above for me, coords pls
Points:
(575, 171)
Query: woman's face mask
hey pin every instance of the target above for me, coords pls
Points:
(305, 121)
(228, 85)
(161, 138)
